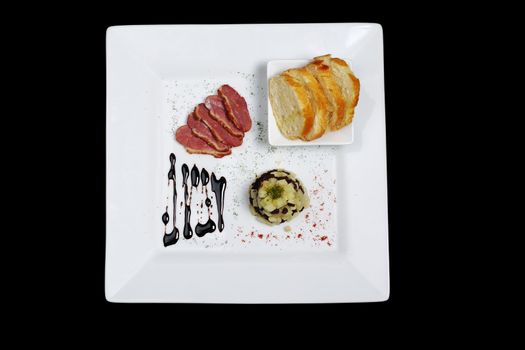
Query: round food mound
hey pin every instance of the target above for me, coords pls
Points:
(277, 196)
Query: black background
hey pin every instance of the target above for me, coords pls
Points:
(70, 139)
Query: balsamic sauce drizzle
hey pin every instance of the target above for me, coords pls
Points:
(187, 232)
(194, 176)
(173, 236)
(209, 226)
(217, 186)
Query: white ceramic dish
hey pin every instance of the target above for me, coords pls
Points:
(344, 136)
(337, 250)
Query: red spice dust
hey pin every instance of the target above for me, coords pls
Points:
(299, 235)
(287, 236)
(314, 225)
(260, 235)
(324, 238)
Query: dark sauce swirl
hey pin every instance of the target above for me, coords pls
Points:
(187, 232)
(205, 177)
(219, 187)
(173, 236)
(195, 176)
(203, 229)
(208, 227)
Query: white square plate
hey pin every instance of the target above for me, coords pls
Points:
(344, 136)
(336, 251)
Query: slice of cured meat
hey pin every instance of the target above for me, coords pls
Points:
(220, 133)
(193, 144)
(218, 112)
(203, 132)
(236, 107)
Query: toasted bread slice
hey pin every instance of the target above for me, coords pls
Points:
(348, 83)
(317, 99)
(291, 106)
(332, 91)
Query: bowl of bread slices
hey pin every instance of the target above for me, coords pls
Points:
(311, 102)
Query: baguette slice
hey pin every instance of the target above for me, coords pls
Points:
(349, 85)
(293, 111)
(317, 99)
(331, 89)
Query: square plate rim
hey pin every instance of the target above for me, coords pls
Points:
(109, 128)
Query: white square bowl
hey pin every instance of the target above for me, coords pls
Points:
(344, 136)
(143, 62)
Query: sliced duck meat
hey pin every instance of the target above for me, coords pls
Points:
(203, 132)
(236, 107)
(193, 144)
(218, 112)
(220, 133)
